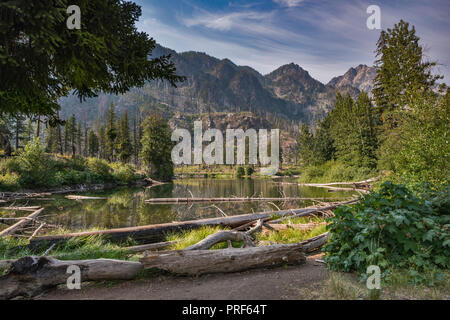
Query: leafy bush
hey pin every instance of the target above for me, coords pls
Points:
(35, 167)
(9, 182)
(392, 228)
(78, 163)
(99, 167)
(249, 171)
(123, 173)
(334, 171)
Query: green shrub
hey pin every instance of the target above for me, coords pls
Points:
(35, 167)
(392, 228)
(240, 172)
(9, 165)
(78, 163)
(249, 171)
(100, 168)
(124, 173)
(9, 182)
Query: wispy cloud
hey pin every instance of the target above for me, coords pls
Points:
(288, 3)
(325, 37)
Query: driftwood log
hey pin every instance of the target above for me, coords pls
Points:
(30, 275)
(22, 223)
(157, 232)
(198, 262)
(75, 197)
(231, 199)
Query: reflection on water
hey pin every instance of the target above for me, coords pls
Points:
(126, 207)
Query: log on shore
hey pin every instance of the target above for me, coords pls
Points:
(22, 223)
(296, 226)
(198, 262)
(315, 243)
(157, 232)
(31, 275)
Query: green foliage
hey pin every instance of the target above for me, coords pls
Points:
(290, 235)
(9, 182)
(156, 148)
(189, 238)
(332, 171)
(93, 247)
(400, 70)
(249, 171)
(36, 169)
(392, 228)
(124, 173)
(93, 144)
(99, 167)
(240, 172)
(421, 155)
(107, 54)
(124, 146)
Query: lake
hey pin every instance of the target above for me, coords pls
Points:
(125, 206)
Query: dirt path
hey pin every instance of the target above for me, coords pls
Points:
(278, 283)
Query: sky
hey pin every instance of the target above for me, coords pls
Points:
(325, 38)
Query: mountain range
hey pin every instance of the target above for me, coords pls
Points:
(219, 85)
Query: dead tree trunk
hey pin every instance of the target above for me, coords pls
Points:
(197, 262)
(30, 275)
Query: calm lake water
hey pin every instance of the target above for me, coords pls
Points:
(125, 207)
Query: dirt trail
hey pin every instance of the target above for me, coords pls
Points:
(277, 283)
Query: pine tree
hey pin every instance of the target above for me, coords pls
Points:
(400, 70)
(102, 142)
(156, 148)
(124, 147)
(111, 133)
(323, 144)
(93, 144)
(305, 142)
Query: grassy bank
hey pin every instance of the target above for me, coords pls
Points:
(335, 171)
(35, 169)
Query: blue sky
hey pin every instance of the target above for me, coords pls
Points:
(324, 37)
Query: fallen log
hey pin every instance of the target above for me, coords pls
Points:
(31, 275)
(231, 199)
(22, 223)
(150, 246)
(157, 232)
(33, 208)
(221, 236)
(309, 211)
(316, 242)
(74, 197)
(198, 262)
(296, 226)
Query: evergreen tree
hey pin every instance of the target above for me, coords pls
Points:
(93, 144)
(400, 70)
(51, 139)
(124, 147)
(323, 144)
(79, 136)
(102, 142)
(157, 148)
(111, 133)
(305, 142)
